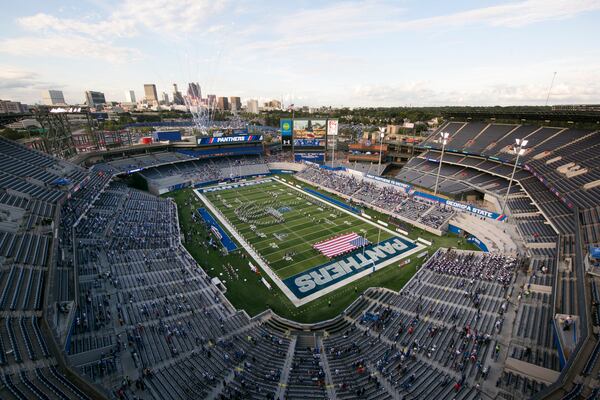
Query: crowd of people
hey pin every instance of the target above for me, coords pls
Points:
(485, 266)
(197, 171)
(392, 199)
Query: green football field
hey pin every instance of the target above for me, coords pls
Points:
(283, 224)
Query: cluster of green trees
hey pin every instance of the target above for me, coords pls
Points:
(173, 115)
(367, 116)
(128, 118)
(14, 134)
(390, 115)
(386, 115)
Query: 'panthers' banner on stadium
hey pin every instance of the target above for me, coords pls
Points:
(323, 276)
(229, 139)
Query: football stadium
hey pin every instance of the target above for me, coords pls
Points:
(233, 268)
(406, 206)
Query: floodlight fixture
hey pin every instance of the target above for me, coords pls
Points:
(519, 151)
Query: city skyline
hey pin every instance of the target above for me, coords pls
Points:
(350, 53)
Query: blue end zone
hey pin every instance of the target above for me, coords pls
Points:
(322, 276)
(225, 239)
(334, 201)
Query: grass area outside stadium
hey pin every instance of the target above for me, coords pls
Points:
(244, 288)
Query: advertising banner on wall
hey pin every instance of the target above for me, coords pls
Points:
(404, 186)
(319, 128)
(286, 132)
(162, 136)
(477, 242)
(311, 157)
(462, 206)
(229, 139)
(332, 127)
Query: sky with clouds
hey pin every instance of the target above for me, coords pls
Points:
(340, 53)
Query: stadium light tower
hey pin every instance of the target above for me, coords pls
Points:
(444, 136)
(520, 150)
(381, 135)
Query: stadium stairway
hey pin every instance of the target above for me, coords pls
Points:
(329, 387)
(217, 391)
(524, 316)
(287, 365)
(385, 383)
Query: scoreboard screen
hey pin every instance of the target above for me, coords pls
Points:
(307, 134)
(310, 133)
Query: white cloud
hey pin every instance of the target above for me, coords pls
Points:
(92, 36)
(346, 20)
(426, 93)
(269, 51)
(12, 78)
(103, 28)
(530, 12)
(334, 22)
(67, 46)
(160, 16)
(510, 15)
(22, 85)
(169, 16)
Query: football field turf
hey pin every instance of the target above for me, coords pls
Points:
(283, 224)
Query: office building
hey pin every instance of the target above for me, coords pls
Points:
(211, 101)
(12, 107)
(177, 96)
(194, 90)
(393, 129)
(129, 96)
(252, 106)
(94, 99)
(222, 103)
(53, 98)
(235, 104)
(273, 105)
(150, 94)
(164, 99)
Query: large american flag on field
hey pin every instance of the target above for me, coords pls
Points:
(340, 244)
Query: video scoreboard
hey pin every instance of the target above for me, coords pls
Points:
(309, 136)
